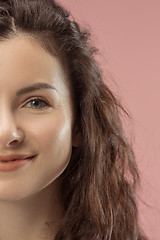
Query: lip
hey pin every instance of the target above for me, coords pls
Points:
(14, 164)
(13, 157)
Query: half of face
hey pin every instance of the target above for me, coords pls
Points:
(36, 117)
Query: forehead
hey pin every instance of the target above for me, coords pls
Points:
(23, 60)
(22, 52)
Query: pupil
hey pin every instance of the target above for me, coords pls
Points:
(37, 103)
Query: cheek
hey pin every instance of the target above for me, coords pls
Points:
(51, 132)
(52, 139)
(47, 129)
(57, 143)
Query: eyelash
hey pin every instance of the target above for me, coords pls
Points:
(39, 100)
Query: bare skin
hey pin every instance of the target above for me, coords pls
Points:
(30, 195)
(29, 219)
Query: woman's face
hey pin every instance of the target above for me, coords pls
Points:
(35, 119)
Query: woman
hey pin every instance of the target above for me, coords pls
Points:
(67, 170)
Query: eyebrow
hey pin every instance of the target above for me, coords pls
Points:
(34, 87)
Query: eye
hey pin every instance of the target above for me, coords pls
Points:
(37, 103)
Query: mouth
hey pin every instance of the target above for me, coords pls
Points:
(28, 158)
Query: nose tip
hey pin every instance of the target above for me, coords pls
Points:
(11, 132)
(11, 137)
(15, 138)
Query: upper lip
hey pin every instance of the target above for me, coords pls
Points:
(14, 157)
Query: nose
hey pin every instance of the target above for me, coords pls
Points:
(10, 134)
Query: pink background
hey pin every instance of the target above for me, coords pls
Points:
(127, 34)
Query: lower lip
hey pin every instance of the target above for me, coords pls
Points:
(14, 165)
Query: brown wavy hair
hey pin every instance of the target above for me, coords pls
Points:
(99, 184)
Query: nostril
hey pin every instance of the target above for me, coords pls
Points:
(13, 142)
(12, 137)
